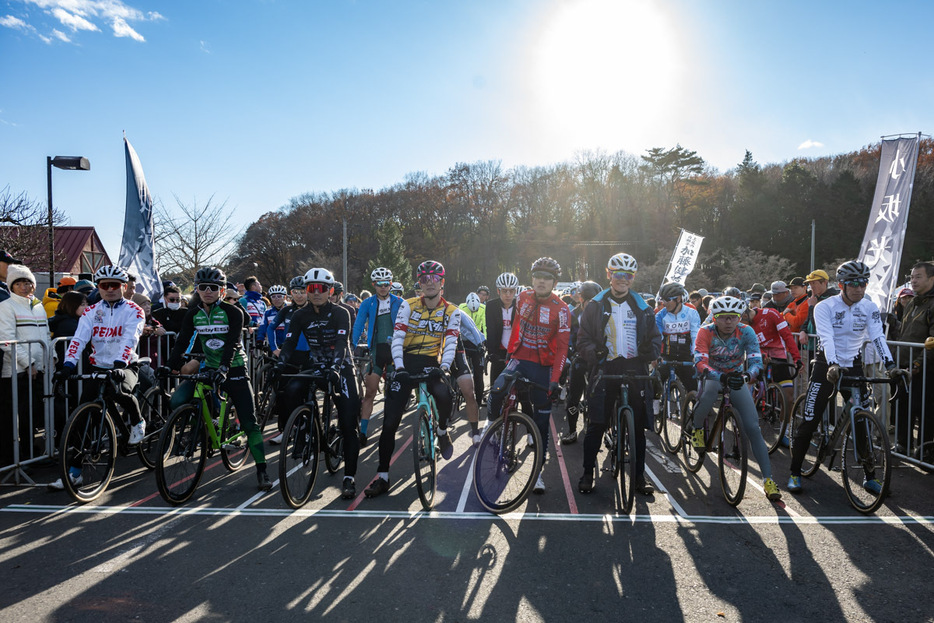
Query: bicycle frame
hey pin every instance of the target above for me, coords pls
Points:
(859, 399)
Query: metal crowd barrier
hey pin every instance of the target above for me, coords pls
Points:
(15, 401)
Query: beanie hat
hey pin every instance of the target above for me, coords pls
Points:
(19, 271)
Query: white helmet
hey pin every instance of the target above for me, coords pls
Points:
(277, 289)
(507, 280)
(622, 261)
(381, 274)
(396, 287)
(728, 305)
(319, 275)
(114, 272)
(473, 302)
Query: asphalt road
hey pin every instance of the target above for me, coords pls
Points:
(683, 555)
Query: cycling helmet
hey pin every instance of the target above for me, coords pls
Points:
(507, 280)
(319, 275)
(622, 261)
(547, 265)
(297, 283)
(396, 287)
(110, 272)
(854, 270)
(671, 290)
(211, 274)
(589, 289)
(277, 289)
(727, 305)
(338, 287)
(483, 289)
(429, 267)
(473, 302)
(734, 292)
(381, 274)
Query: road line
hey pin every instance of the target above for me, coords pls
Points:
(556, 442)
(391, 461)
(465, 492)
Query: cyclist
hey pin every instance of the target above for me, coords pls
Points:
(776, 343)
(112, 327)
(338, 299)
(578, 372)
(500, 314)
(484, 293)
(619, 334)
(843, 323)
(470, 341)
(425, 337)
(277, 298)
(720, 351)
(276, 333)
(252, 300)
(474, 349)
(476, 310)
(376, 316)
(325, 327)
(678, 323)
(538, 346)
(396, 289)
(218, 327)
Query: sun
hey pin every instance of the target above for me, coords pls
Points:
(605, 74)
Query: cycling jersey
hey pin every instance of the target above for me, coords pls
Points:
(255, 306)
(774, 335)
(478, 317)
(426, 332)
(678, 333)
(541, 332)
(327, 332)
(218, 329)
(282, 321)
(842, 329)
(714, 355)
(265, 327)
(376, 316)
(112, 329)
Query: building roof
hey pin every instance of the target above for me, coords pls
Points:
(71, 245)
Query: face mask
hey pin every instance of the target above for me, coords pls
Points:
(173, 306)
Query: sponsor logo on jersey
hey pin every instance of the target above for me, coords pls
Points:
(214, 329)
(215, 343)
(104, 332)
(544, 314)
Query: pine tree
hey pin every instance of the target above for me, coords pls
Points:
(391, 255)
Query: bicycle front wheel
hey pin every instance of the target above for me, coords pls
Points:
(732, 459)
(772, 416)
(658, 421)
(298, 460)
(267, 404)
(182, 454)
(507, 464)
(693, 457)
(613, 443)
(234, 446)
(334, 442)
(867, 462)
(814, 454)
(153, 410)
(626, 447)
(672, 411)
(88, 444)
(425, 456)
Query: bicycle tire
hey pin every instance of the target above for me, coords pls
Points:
(182, 454)
(267, 404)
(672, 412)
(298, 460)
(771, 412)
(612, 442)
(626, 445)
(658, 419)
(855, 471)
(152, 408)
(425, 456)
(732, 458)
(693, 457)
(815, 453)
(506, 465)
(234, 445)
(89, 441)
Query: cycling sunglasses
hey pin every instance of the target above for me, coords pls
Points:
(110, 285)
(317, 288)
(429, 279)
(204, 287)
(622, 274)
(727, 316)
(382, 284)
(857, 283)
(540, 274)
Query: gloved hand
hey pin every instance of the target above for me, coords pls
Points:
(435, 374)
(402, 376)
(117, 374)
(220, 375)
(601, 352)
(163, 372)
(833, 373)
(798, 365)
(894, 372)
(733, 380)
(554, 391)
(65, 373)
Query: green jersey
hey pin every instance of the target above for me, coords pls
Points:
(219, 331)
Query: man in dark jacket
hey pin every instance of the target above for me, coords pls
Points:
(917, 326)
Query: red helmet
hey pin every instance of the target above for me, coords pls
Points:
(429, 267)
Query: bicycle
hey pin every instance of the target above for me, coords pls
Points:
(725, 436)
(302, 436)
(858, 437)
(770, 405)
(620, 437)
(193, 433)
(153, 406)
(92, 438)
(674, 395)
(268, 390)
(510, 454)
(425, 448)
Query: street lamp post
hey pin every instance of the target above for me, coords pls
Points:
(68, 163)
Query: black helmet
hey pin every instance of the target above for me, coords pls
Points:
(734, 292)
(854, 270)
(297, 283)
(589, 289)
(671, 290)
(547, 265)
(338, 287)
(211, 274)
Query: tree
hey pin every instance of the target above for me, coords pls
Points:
(199, 236)
(24, 229)
(676, 169)
(391, 255)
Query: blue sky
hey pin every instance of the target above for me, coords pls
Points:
(255, 102)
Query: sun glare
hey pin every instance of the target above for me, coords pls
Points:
(605, 75)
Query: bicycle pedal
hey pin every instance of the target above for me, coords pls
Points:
(231, 446)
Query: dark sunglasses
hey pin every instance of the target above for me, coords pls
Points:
(317, 288)
(857, 283)
(204, 287)
(111, 285)
(540, 274)
(382, 284)
(622, 274)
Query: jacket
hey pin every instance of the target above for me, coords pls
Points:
(918, 325)
(541, 332)
(494, 327)
(596, 316)
(23, 319)
(113, 331)
(366, 318)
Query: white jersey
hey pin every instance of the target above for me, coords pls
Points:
(112, 330)
(843, 329)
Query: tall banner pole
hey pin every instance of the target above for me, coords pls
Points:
(137, 247)
(684, 257)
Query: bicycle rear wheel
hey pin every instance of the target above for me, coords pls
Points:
(814, 454)
(772, 416)
(88, 444)
(867, 462)
(153, 408)
(732, 459)
(626, 448)
(425, 456)
(267, 404)
(298, 460)
(507, 465)
(613, 443)
(672, 410)
(658, 419)
(333, 441)
(234, 446)
(182, 454)
(693, 457)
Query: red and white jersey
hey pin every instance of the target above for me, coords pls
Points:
(112, 330)
(774, 335)
(541, 332)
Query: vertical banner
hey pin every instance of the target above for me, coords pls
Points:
(888, 219)
(683, 258)
(136, 249)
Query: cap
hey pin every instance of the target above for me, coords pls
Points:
(757, 287)
(9, 259)
(817, 275)
(755, 296)
(703, 292)
(797, 281)
(84, 286)
(778, 287)
(67, 281)
(905, 292)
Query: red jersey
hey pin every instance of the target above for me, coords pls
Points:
(772, 330)
(541, 331)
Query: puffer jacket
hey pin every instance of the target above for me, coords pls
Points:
(23, 319)
(918, 325)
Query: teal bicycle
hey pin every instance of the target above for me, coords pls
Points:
(425, 448)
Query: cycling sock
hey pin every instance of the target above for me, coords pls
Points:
(383, 475)
(260, 468)
(363, 425)
(442, 432)
(474, 428)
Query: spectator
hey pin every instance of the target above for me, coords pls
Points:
(252, 300)
(917, 326)
(757, 287)
(22, 318)
(170, 316)
(84, 286)
(796, 313)
(5, 261)
(755, 300)
(818, 282)
(64, 324)
(781, 297)
(130, 285)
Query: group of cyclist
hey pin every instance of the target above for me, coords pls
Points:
(533, 332)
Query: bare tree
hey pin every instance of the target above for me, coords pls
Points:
(24, 232)
(192, 237)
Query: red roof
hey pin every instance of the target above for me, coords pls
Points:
(71, 244)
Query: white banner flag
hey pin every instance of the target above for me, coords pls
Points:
(136, 249)
(888, 220)
(683, 258)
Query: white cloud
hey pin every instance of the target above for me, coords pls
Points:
(809, 144)
(13, 22)
(60, 35)
(75, 22)
(122, 29)
(89, 15)
(205, 47)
